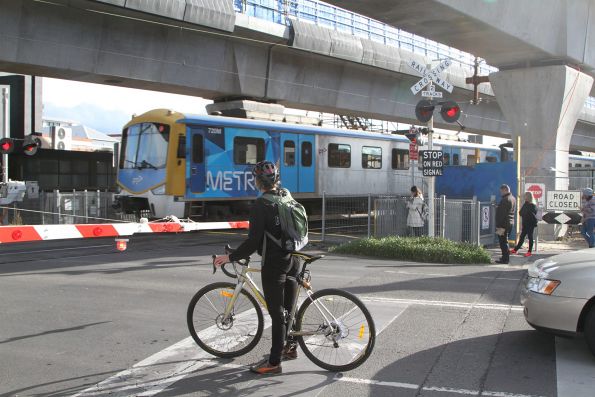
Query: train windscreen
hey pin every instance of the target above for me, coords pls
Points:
(144, 146)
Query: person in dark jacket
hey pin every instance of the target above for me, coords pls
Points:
(279, 268)
(528, 214)
(504, 221)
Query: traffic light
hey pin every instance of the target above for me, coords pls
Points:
(450, 111)
(424, 110)
(31, 144)
(6, 145)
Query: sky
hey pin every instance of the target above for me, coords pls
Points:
(107, 108)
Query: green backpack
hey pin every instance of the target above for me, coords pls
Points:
(293, 219)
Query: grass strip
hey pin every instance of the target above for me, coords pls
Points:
(418, 249)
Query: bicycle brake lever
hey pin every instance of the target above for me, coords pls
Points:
(214, 267)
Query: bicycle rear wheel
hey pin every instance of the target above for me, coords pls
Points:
(344, 339)
(226, 339)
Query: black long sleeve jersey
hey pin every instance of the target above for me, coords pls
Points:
(264, 216)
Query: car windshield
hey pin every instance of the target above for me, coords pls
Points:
(144, 147)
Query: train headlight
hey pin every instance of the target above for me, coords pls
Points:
(160, 190)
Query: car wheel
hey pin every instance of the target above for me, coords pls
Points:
(590, 330)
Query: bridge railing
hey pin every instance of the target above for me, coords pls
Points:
(336, 18)
(322, 14)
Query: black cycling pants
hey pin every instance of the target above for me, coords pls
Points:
(280, 289)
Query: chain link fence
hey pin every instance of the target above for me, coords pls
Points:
(380, 216)
(59, 207)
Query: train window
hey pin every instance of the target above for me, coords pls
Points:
(471, 159)
(248, 150)
(446, 159)
(181, 147)
(197, 149)
(400, 160)
(371, 157)
(339, 155)
(577, 165)
(306, 154)
(587, 165)
(455, 159)
(491, 159)
(289, 153)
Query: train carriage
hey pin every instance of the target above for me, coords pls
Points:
(200, 166)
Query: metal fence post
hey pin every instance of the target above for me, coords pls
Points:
(58, 200)
(323, 214)
(98, 203)
(42, 206)
(474, 220)
(478, 221)
(369, 213)
(74, 206)
(86, 205)
(443, 216)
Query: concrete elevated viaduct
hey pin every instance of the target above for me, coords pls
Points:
(203, 48)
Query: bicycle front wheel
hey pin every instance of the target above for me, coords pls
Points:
(222, 337)
(335, 330)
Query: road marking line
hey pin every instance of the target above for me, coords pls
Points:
(464, 305)
(153, 374)
(575, 368)
(449, 275)
(411, 386)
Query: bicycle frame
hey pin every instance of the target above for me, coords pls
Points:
(245, 279)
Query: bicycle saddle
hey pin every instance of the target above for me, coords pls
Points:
(306, 257)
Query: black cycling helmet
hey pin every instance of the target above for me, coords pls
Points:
(266, 172)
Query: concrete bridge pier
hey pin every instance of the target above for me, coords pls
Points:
(542, 105)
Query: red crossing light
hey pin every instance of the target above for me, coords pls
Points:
(31, 145)
(450, 111)
(6, 145)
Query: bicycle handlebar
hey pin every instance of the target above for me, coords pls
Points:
(242, 262)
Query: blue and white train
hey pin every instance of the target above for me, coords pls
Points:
(200, 166)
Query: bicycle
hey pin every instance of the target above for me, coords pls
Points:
(333, 327)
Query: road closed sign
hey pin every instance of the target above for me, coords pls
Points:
(563, 200)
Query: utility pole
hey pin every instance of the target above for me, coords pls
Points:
(4, 93)
(431, 186)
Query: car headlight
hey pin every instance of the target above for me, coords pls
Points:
(542, 285)
(159, 190)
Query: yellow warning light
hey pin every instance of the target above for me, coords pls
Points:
(226, 294)
(361, 331)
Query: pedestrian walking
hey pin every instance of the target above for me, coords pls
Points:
(528, 214)
(588, 211)
(416, 207)
(504, 221)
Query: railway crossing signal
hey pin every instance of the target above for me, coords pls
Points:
(6, 146)
(449, 110)
(30, 145)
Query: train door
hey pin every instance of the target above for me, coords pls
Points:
(195, 160)
(289, 162)
(307, 174)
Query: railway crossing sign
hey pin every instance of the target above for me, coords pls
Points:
(431, 92)
(432, 162)
(564, 218)
(431, 76)
(563, 200)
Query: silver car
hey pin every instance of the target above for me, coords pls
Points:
(558, 294)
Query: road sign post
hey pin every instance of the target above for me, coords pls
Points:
(429, 78)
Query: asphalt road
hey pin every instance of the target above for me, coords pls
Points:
(77, 314)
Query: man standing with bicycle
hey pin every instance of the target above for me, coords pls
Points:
(279, 268)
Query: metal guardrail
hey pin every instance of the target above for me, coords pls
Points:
(323, 14)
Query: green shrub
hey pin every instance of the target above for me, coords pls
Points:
(418, 249)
